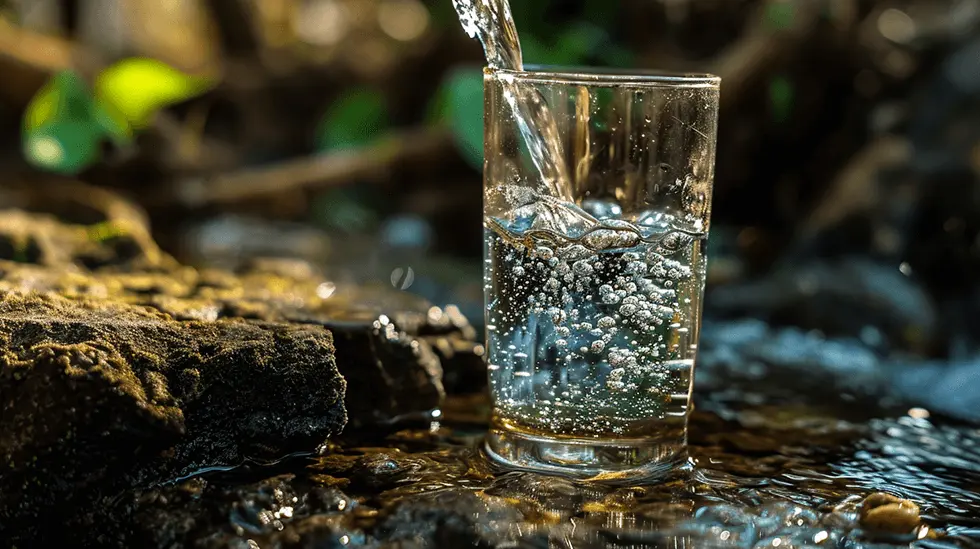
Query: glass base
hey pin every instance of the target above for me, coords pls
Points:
(601, 460)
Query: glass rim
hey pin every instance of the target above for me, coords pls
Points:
(609, 77)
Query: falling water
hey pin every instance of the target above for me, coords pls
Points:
(491, 22)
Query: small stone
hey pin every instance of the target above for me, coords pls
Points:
(887, 513)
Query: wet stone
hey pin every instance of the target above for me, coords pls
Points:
(395, 350)
(100, 397)
(111, 344)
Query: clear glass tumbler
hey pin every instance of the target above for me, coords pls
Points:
(597, 197)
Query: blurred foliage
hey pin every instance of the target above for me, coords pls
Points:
(464, 112)
(139, 87)
(356, 118)
(126, 96)
(66, 123)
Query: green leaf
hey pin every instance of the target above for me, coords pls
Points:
(465, 109)
(111, 122)
(138, 87)
(356, 118)
(63, 126)
(63, 146)
(64, 97)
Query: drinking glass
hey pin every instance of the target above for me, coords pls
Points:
(597, 201)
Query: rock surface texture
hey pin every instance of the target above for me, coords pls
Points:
(121, 369)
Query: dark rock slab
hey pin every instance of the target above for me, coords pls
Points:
(393, 348)
(98, 397)
(122, 369)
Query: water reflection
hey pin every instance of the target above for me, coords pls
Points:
(765, 476)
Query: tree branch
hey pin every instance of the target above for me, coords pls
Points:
(311, 172)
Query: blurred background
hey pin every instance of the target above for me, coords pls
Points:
(349, 133)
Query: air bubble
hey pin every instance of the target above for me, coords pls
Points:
(557, 315)
(607, 322)
(617, 357)
(598, 346)
(583, 268)
(636, 267)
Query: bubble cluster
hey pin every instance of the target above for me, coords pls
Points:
(590, 335)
